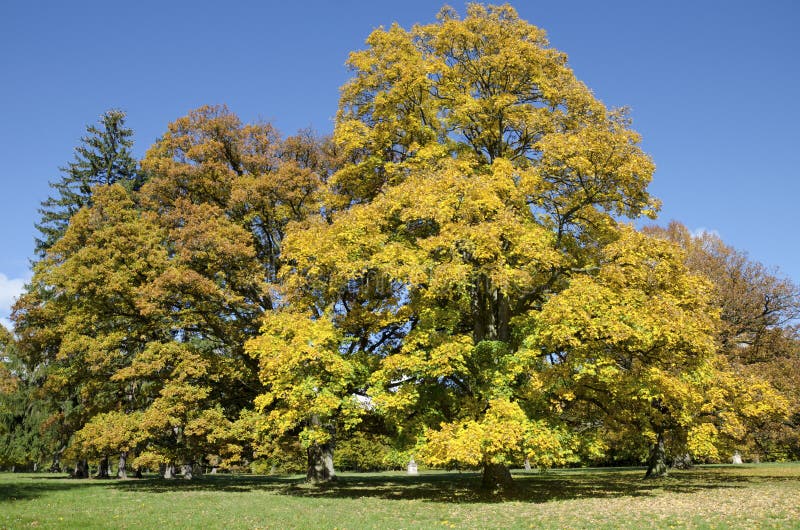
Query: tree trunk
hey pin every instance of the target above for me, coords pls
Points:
(682, 462)
(55, 467)
(122, 471)
(102, 468)
(496, 476)
(490, 311)
(320, 457)
(81, 469)
(527, 465)
(657, 462)
(320, 464)
(737, 458)
(186, 471)
(169, 471)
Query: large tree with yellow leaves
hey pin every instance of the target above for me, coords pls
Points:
(479, 177)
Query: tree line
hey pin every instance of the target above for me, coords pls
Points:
(451, 276)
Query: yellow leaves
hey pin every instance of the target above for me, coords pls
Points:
(304, 372)
(494, 438)
(642, 298)
(503, 435)
(108, 433)
(702, 441)
(449, 357)
(485, 88)
(291, 339)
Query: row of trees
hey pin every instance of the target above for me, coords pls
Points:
(447, 277)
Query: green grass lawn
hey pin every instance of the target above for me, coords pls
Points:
(748, 496)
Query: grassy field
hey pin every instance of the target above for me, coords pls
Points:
(748, 496)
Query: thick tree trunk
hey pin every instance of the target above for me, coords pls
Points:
(186, 471)
(737, 458)
(122, 471)
(102, 468)
(496, 476)
(527, 465)
(320, 457)
(169, 471)
(491, 312)
(657, 462)
(491, 315)
(81, 469)
(320, 464)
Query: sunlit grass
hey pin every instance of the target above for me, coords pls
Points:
(750, 496)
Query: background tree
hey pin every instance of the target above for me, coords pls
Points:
(137, 315)
(104, 157)
(89, 325)
(758, 334)
(224, 193)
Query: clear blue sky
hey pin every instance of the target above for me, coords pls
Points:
(714, 89)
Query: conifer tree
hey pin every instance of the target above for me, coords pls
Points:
(103, 157)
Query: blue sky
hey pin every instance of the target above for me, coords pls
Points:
(713, 86)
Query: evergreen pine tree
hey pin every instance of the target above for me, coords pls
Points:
(103, 157)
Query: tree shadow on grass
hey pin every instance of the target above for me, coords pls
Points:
(442, 487)
(528, 487)
(455, 487)
(30, 486)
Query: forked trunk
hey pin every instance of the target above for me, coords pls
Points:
(169, 471)
(490, 311)
(496, 477)
(186, 471)
(320, 464)
(657, 462)
(122, 471)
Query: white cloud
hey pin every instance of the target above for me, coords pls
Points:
(10, 289)
(703, 231)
